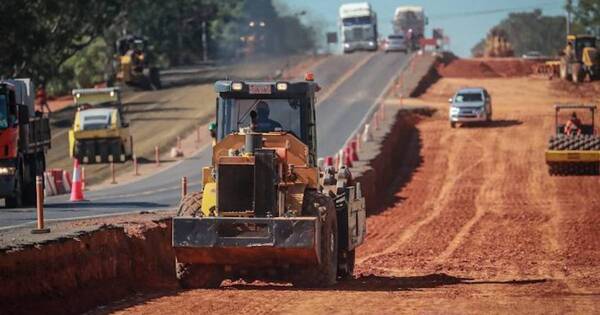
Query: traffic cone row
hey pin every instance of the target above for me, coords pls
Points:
(349, 154)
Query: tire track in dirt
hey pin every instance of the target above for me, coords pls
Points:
(487, 191)
(448, 194)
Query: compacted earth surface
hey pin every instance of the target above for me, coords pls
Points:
(473, 224)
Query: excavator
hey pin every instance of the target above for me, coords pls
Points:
(267, 211)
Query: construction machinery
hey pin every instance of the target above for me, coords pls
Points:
(575, 148)
(410, 21)
(24, 139)
(100, 133)
(267, 211)
(580, 59)
(497, 44)
(132, 63)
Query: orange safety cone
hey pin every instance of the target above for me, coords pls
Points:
(328, 161)
(353, 150)
(76, 189)
(348, 157)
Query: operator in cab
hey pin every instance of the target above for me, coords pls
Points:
(261, 121)
(573, 125)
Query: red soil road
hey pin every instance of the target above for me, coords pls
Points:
(478, 227)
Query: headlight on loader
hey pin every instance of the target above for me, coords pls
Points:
(237, 86)
(282, 86)
(7, 170)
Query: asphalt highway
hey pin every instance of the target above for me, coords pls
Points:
(355, 83)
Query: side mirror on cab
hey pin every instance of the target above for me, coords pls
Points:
(212, 128)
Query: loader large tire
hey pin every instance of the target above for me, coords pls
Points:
(564, 70)
(325, 273)
(189, 275)
(191, 205)
(196, 276)
(577, 73)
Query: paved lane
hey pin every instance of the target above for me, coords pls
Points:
(337, 116)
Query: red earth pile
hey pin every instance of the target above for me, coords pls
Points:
(486, 68)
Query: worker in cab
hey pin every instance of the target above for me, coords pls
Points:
(261, 121)
(573, 125)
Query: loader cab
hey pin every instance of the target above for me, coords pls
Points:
(267, 107)
(581, 42)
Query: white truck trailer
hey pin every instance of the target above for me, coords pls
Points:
(358, 27)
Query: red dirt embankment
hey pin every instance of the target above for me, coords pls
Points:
(75, 273)
(486, 68)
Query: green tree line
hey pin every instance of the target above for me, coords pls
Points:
(533, 31)
(69, 43)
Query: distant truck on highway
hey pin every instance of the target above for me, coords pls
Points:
(410, 21)
(24, 140)
(358, 27)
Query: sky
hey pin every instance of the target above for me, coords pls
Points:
(466, 22)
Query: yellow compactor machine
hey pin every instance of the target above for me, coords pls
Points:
(99, 133)
(577, 152)
(267, 210)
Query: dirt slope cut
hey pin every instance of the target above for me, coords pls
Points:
(487, 68)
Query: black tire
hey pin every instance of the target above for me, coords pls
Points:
(155, 79)
(191, 205)
(29, 191)
(189, 275)
(564, 70)
(577, 73)
(16, 201)
(197, 276)
(347, 261)
(325, 273)
(452, 124)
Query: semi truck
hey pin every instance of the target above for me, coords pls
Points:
(24, 141)
(410, 21)
(358, 27)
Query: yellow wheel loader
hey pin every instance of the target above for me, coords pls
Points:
(580, 59)
(266, 210)
(100, 133)
(575, 147)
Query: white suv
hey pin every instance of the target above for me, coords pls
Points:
(470, 105)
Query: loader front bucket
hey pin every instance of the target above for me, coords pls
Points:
(246, 241)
